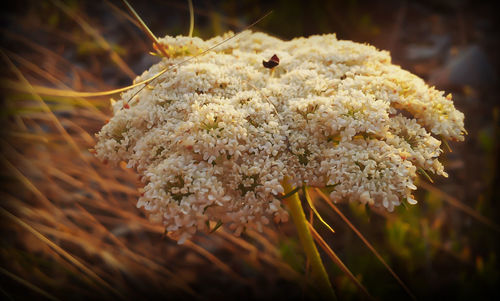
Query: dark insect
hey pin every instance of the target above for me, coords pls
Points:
(273, 62)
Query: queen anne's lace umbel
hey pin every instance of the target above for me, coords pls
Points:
(213, 138)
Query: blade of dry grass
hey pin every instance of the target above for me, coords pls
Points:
(14, 85)
(321, 242)
(28, 284)
(365, 241)
(311, 205)
(190, 244)
(269, 258)
(137, 257)
(94, 242)
(55, 58)
(61, 251)
(199, 54)
(54, 119)
(122, 16)
(69, 93)
(85, 241)
(97, 36)
(122, 13)
(442, 247)
(146, 29)
(212, 258)
(233, 21)
(26, 182)
(67, 123)
(446, 145)
(23, 179)
(48, 76)
(46, 108)
(28, 136)
(63, 175)
(459, 205)
(191, 18)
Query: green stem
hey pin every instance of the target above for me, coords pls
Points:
(299, 219)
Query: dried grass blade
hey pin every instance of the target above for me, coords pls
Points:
(311, 204)
(369, 245)
(232, 21)
(98, 37)
(54, 80)
(89, 243)
(28, 284)
(159, 229)
(425, 174)
(212, 258)
(121, 13)
(61, 252)
(55, 57)
(16, 86)
(69, 93)
(269, 256)
(199, 54)
(145, 28)
(191, 17)
(268, 246)
(139, 258)
(322, 243)
(26, 182)
(446, 145)
(28, 136)
(54, 119)
(45, 107)
(460, 206)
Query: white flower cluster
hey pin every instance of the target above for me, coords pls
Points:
(214, 138)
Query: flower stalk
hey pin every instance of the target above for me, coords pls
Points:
(306, 240)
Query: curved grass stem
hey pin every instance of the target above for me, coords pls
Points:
(191, 17)
(299, 219)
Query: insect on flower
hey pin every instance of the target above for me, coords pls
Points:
(273, 62)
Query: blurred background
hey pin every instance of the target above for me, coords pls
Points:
(70, 227)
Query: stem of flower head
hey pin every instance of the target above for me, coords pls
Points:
(299, 219)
